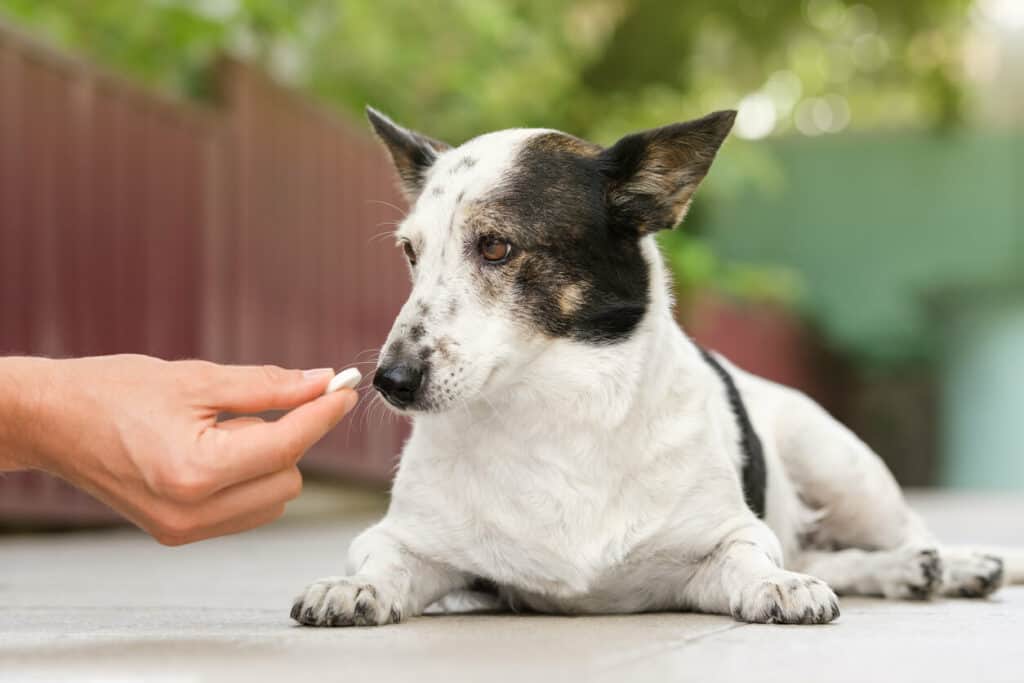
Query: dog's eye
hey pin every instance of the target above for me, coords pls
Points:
(410, 253)
(494, 250)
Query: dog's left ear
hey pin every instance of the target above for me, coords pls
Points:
(412, 153)
(652, 175)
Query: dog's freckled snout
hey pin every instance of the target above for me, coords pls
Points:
(399, 384)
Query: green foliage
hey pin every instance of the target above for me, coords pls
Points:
(697, 267)
(596, 68)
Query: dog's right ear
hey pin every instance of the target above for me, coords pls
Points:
(412, 153)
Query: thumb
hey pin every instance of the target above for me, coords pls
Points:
(253, 389)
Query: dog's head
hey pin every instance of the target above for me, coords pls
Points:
(523, 239)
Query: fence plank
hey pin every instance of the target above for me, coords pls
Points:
(14, 321)
(307, 249)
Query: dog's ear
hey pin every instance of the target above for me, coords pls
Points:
(652, 175)
(412, 153)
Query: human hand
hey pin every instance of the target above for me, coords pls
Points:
(142, 435)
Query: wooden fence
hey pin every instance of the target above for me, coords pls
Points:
(130, 222)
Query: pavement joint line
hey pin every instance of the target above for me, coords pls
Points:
(661, 648)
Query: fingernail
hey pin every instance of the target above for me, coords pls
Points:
(318, 373)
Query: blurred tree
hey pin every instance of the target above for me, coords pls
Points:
(596, 68)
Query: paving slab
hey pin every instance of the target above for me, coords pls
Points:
(115, 606)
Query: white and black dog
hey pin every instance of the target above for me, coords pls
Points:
(572, 450)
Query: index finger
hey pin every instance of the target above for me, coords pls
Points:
(262, 448)
(253, 389)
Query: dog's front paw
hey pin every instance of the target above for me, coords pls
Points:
(346, 601)
(786, 598)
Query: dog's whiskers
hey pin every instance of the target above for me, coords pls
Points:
(399, 209)
(381, 235)
(372, 349)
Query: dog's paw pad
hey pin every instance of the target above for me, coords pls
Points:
(916, 575)
(345, 601)
(972, 575)
(787, 598)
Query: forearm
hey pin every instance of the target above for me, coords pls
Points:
(24, 386)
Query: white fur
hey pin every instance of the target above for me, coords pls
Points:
(587, 478)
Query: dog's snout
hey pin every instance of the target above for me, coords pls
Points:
(398, 383)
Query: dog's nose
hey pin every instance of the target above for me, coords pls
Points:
(398, 383)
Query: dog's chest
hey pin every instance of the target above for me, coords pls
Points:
(553, 514)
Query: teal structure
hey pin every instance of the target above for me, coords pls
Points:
(911, 248)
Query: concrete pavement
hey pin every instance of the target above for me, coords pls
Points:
(114, 606)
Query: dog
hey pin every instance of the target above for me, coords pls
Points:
(572, 450)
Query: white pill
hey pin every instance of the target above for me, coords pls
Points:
(346, 379)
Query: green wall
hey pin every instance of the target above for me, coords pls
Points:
(982, 374)
(911, 248)
(877, 223)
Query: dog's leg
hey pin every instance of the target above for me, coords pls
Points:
(743, 577)
(835, 472)
(908, 573)
(864, 508)
(386, 583)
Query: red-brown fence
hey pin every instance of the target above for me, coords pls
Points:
(130, 222)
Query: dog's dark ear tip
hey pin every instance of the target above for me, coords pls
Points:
(374, 116)
(382, 124)
(412, 153)
(723, 119)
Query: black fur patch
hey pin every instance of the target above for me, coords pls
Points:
(754, 474)
(571, 272)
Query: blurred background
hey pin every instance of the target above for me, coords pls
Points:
(194, 178)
